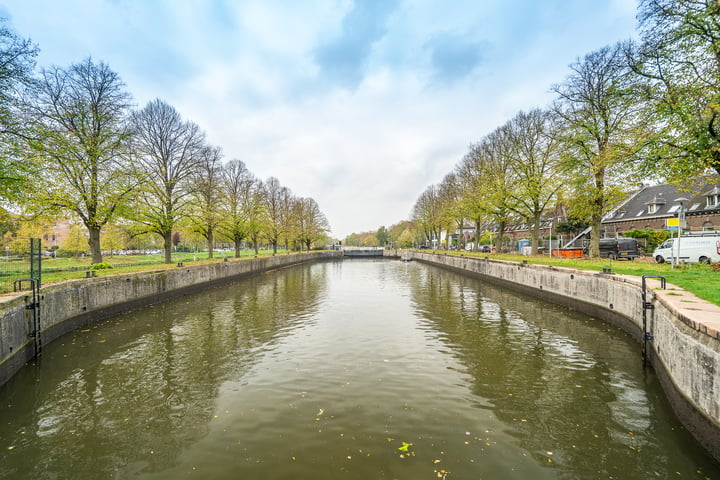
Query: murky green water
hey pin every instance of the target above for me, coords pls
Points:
(346, 370)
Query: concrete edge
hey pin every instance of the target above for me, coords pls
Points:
(13, 315)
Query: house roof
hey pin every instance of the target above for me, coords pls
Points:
(659, 201)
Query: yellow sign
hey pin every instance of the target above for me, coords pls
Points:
(673, 222)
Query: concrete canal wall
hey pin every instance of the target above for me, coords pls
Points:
(685, 345)
(77, 303)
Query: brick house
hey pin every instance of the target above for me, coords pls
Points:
(652, 206)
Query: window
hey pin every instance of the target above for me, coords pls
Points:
(653, 208)
(674, 209)
(713, 200)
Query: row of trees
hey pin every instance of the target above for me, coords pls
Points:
(625, 112)
(73, 144)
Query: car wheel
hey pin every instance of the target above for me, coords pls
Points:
(704, 259)
(659, 259)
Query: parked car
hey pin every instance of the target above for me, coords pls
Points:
(485, 249)
(619, 248)
(693, 249)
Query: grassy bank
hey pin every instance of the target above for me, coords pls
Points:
(699, 279)
(56, 270)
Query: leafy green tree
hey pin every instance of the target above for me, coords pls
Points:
(679, 61)
(17, 63)
(79, 117)
(288, 218)
(312, 224)
(532, 142)
(238, 202)
(603, 132)
(382, 235)
(487, 183)
(113, 238)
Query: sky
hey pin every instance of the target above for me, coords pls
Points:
(360, 105)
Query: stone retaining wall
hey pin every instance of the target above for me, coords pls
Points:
(685, 345)
(69, 305)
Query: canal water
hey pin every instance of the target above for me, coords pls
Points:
(355, 369)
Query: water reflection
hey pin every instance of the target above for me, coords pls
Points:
(546, 373)
(136, 390)
(328, 371)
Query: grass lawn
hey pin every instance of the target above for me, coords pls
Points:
(699, 279)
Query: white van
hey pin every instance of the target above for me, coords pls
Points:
(693, 248)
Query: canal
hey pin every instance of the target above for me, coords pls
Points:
(355, 369)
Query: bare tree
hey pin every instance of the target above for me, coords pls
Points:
(453, 209)
(168, 152)
(205, 209)
(427, 213)
(272, 199)
(79, 115)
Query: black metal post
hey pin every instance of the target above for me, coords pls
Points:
(645, 307)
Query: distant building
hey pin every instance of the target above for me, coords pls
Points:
(648, 207)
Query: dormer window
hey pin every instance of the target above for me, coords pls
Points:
(713, 197)
(654, 205)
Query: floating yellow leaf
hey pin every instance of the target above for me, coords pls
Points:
(405, 447)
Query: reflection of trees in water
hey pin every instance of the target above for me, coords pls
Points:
(562, 383)
(130, 393)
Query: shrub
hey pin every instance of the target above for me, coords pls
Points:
(100, 266)
(652, 237)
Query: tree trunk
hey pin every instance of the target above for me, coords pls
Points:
(498, 240)
(211, 243)
(167, 242)
(595, 223)
(274, 244)
(94, 243)
(535, 234)
(476, 247)
(237, 247)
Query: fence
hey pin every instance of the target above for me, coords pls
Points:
(22, 261)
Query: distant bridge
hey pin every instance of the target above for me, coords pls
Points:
(363, 251)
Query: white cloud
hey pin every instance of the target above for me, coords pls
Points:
(258, 77)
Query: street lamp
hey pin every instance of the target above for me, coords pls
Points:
(681, 225)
